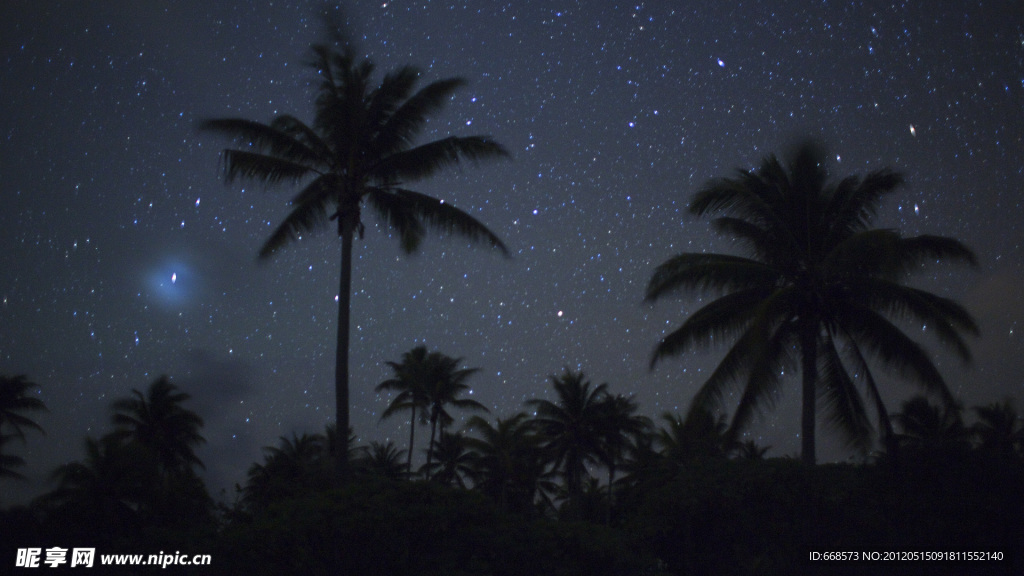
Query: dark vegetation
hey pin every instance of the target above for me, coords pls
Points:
(582, 483)
(521, 495)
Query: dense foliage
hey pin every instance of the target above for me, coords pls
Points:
(497, 501)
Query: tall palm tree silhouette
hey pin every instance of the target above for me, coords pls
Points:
(445, 383)
(620, 427)
(571, 427)
(817, 283)
(158, 422)
(410, 381)
(360, 149)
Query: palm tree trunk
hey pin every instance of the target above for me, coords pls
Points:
(611, 478)
(430, 447)
(412, 435)
(809, 357)
(346, 230)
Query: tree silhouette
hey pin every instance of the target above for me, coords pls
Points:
(453, 460)
(14, 400)
(9, 462)
(999, 429)
(359, 148)
(157, 421)
(750, 450)
(701, 435)
(931, 426)
(620, 427)
(446, 381)
(818, 283)
(508, 463)
(298, 465)
(383, 459)
(571, 427)
(108, 491)
(410, 381)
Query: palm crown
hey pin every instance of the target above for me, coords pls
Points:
(360, 147)
(819, 288)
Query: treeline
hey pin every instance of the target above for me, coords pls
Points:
(580, 484)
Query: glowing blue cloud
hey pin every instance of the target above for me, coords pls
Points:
(173, 283)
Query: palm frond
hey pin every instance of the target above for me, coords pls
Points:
(853, 203)
(870, 253)
(408, 211)
(746, 196)
(863, 370)
(925, 249)
(309, 217)
(843, 406)
(427, 159)
(388, 96)
(762, 244)
(304, 134)
(720, 319)
(714, 272)
(398, 131)
(761, 390)
(945, 317)
(873, 332)
(277, 139)
(729, 373)
(261, 167)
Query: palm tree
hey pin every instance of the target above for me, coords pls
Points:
(8, 462)
(444, 385)
(508, 462)
(701, 435)
(571, 428)
(297, 465)
(14, 400)
(931, 426)
(384, 460)
(818, 288)
(999, 429)
(453, 460)
(750, 450)
(158, 422)
(107, 490)
(620, 427)
(410, 382)
(643, 464)
(359, 148)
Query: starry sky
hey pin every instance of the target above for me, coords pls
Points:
(124, 256)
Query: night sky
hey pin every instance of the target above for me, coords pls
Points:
(124, 256)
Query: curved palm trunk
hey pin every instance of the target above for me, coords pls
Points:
(430, 447)
(412, 435)
(346, 230)
(611, 479)
(809, 369)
